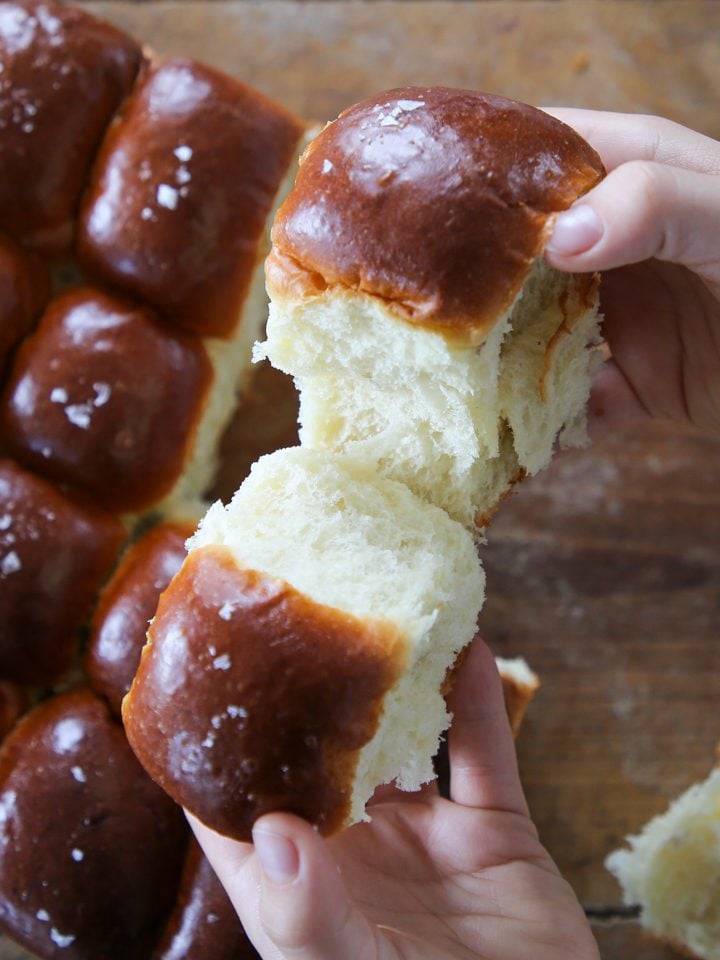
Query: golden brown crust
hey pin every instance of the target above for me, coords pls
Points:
(126, 606)
(92, 849)
(180, 193)
(435, 200)
(105, 398)
(250, 697)
(65, 72)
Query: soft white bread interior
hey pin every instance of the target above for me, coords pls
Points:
(672, 871)
(458, 425)
(352, 544)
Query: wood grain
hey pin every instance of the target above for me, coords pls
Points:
(317, 58)
(605, 571)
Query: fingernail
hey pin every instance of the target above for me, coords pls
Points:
(576, 230)
(278, 856)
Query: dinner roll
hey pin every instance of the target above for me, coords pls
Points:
(410, 301)
(297, 659)
(90, 848)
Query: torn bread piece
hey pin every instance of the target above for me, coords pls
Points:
(411, 303)
(671, 870)
(297, 658)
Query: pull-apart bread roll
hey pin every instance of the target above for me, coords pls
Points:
(177, 214)
(410, 301)
(298, 658)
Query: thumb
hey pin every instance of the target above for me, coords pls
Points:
(642, 209)
(289, 894)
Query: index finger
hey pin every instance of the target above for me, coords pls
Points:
(483, 763)
(621, 137)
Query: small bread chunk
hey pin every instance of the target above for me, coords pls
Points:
(296, 661)
(672, 871)
(520, 685)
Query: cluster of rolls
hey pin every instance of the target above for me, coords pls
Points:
(134, 209)
(299, 658)
(300, 652)
(136, 194)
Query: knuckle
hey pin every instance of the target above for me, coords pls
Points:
(649, 182)
(649, 192)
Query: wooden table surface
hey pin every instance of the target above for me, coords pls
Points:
(605, 571)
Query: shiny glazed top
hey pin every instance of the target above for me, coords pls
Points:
(436, 200)
(63, 75)
(250, 697)
(127, 604)
(179, 196)
(104, 397)
(91, 848)
(54, 555)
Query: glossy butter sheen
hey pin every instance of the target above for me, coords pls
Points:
(64, 74)
(178, 200)
(436, 200)
(105, 398)
(250, 697)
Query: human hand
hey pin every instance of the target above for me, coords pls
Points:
(653, 228)
(462, 878)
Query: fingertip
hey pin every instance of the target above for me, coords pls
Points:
(476, 678)
(483, 762)
(575, 231)
(282, 842)
(303, 904)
